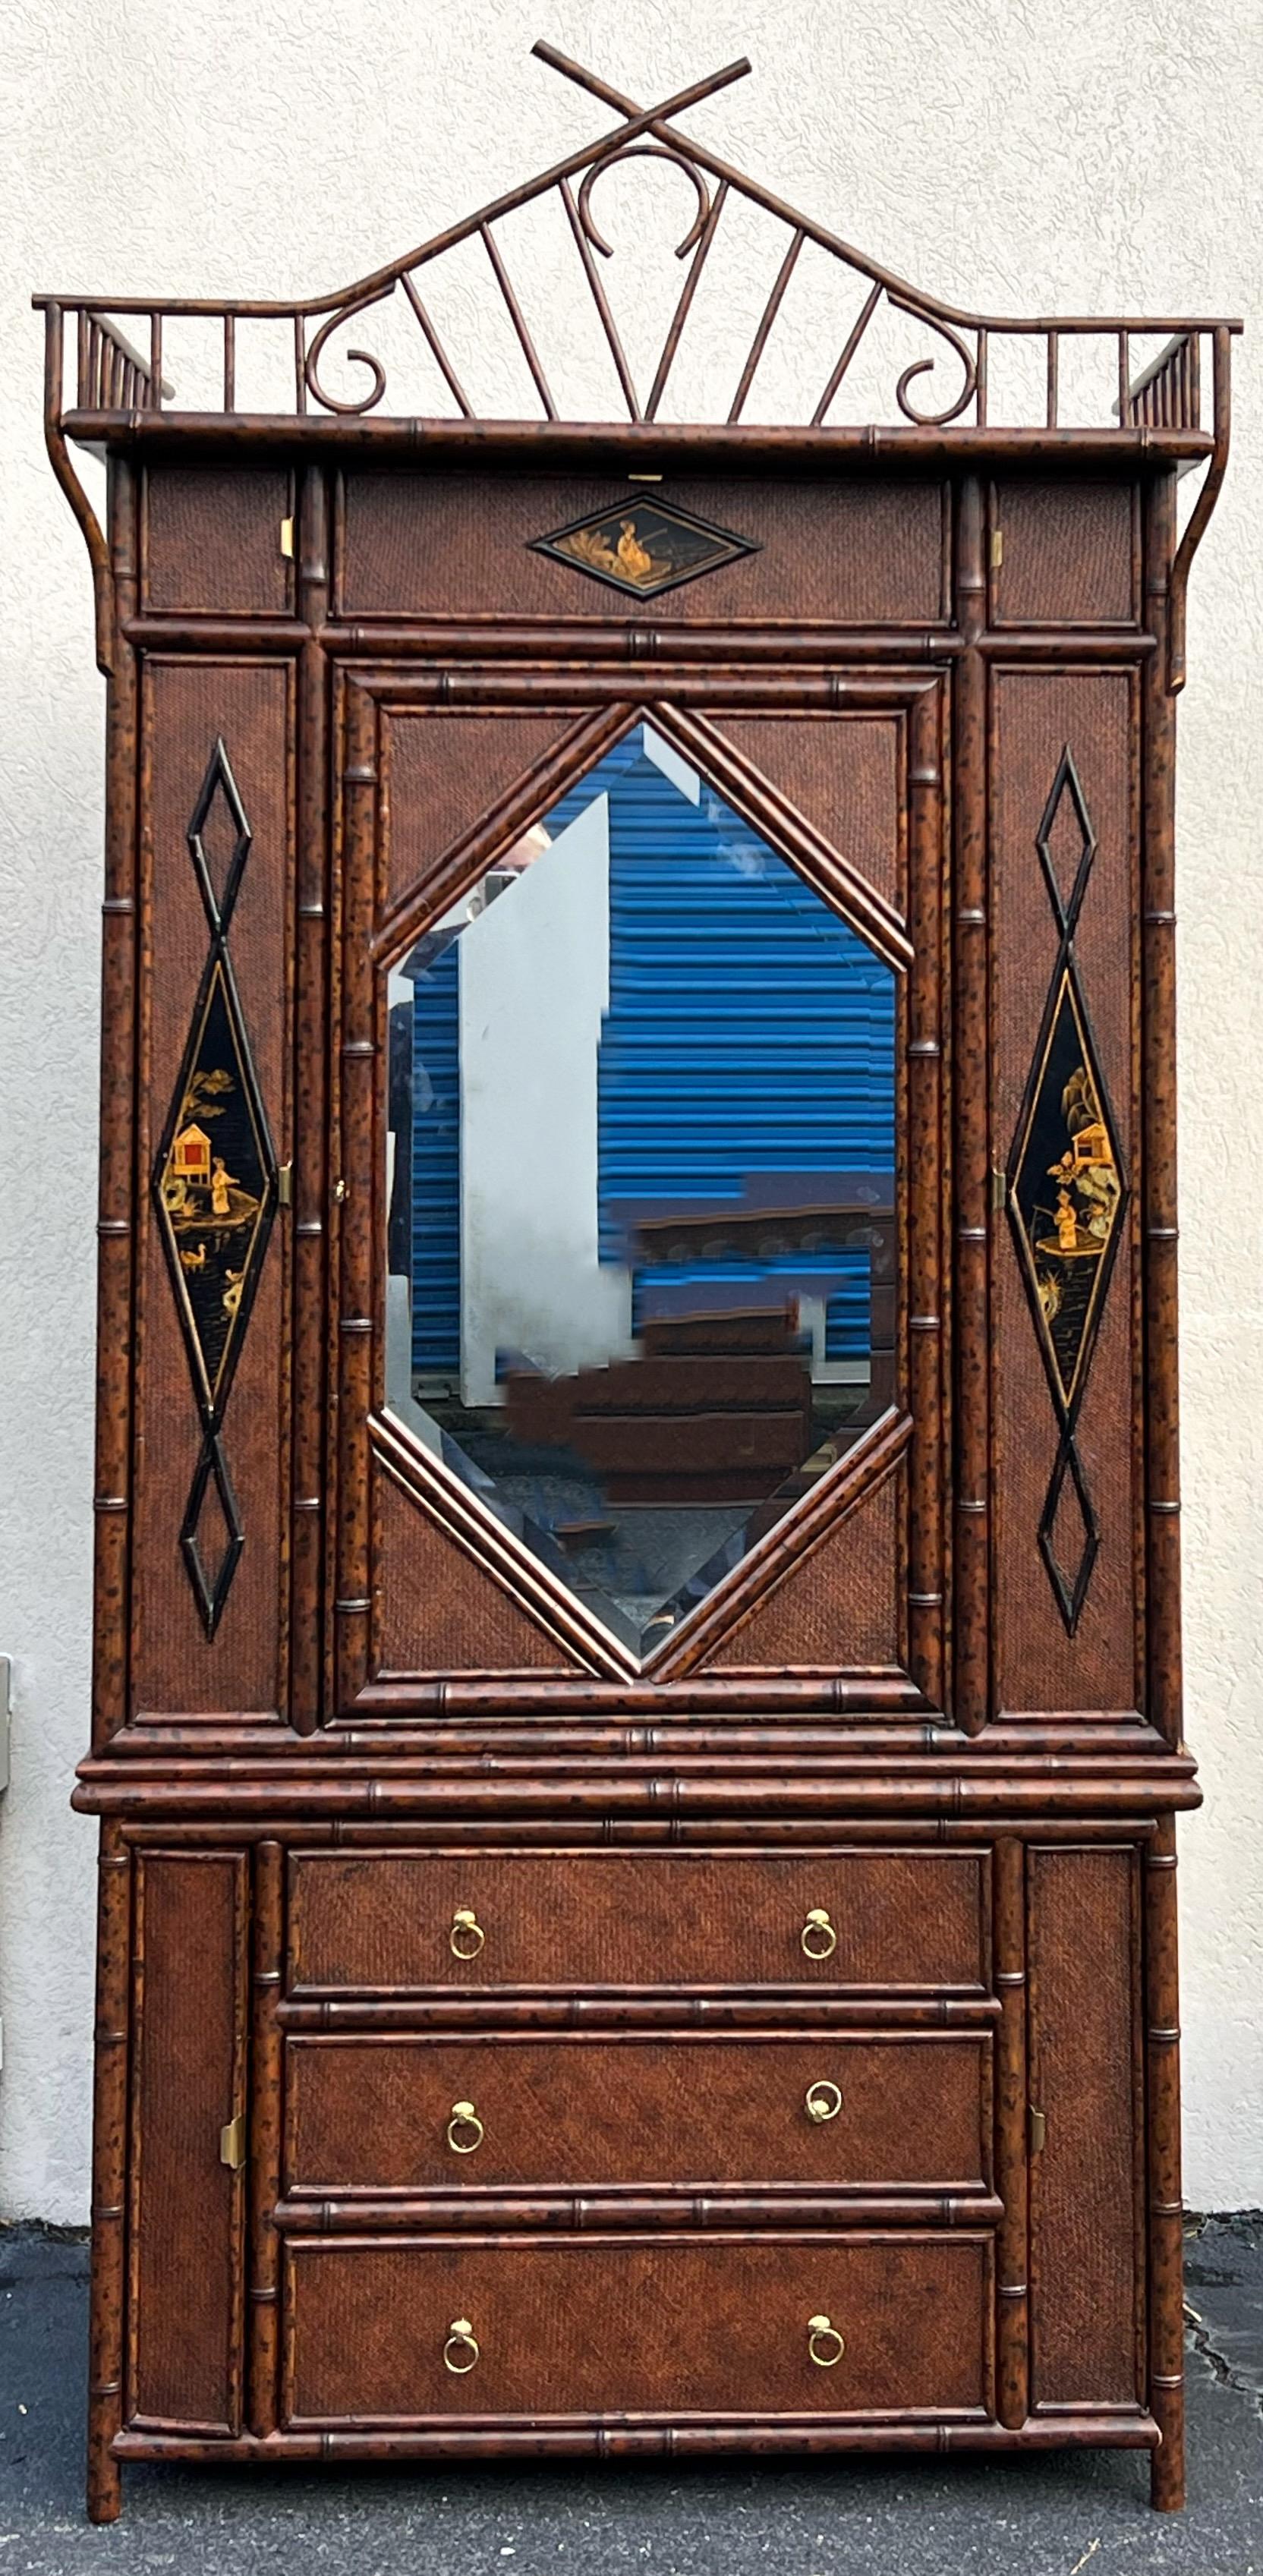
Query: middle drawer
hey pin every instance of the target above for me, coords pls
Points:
(400, 2112)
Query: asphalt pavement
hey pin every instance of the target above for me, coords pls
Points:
(1046, 2515)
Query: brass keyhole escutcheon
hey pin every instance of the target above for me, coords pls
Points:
(819, 1940)
(464, 2129)
(824, 2343)
(466, 1937)
(460, 2351)
(824, 2100)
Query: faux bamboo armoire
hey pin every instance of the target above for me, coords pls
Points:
(637, 1692)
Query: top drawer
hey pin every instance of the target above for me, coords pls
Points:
(397, 1922)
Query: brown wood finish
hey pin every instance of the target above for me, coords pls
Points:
(211, 542)
(116, 1222)
(868, 553)
(1012, 2241)
(841, 1598)
(1034, 716)
(109, 2174)
(309, 1534)
(846, 776)
(1085, 2285)
(440, 1609)
(376, 2114)
(1165, 2208)
(373, 1923)
(883, 1712)
(267, 2046)
(1069, 556)
(188, 2079)
(186, 707)
(971, 1138)
(449, 774)
(711, 2329)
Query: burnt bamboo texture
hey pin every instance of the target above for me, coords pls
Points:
(456, 1962)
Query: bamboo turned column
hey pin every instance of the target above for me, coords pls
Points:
(109, 2165)
(1166, 2210)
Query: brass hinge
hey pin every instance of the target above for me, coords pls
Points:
(232, 2143)
(997, 548)
(1038, 2126)
(285, 1185)
(287, 539)
(999, 1188)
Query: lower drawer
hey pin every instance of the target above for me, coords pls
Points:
(421, 2329)
(400, 2113)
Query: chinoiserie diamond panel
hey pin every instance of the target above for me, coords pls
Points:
(1066, 1194)
(216, 1186)
(215, 1189)
(643, 547)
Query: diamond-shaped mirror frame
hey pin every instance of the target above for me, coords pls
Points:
(841, 890)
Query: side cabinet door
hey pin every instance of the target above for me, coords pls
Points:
(187, 2204)
(1087, 2312)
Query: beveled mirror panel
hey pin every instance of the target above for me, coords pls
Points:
(640, 1188)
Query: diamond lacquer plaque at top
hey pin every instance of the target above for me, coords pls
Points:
(641, 1279)
(643, 546)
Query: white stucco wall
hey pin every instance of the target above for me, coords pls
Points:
(1072, 157)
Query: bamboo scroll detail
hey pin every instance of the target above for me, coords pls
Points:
(1163, 401)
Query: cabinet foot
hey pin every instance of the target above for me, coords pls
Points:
(1166, 2475)
(105, 2487)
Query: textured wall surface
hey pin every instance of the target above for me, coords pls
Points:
(1002, 155)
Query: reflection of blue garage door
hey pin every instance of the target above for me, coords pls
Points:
(750, 1034)
(436, 1163)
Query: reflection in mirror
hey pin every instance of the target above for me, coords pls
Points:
(640, 1189)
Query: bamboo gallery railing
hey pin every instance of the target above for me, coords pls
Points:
(119, 382)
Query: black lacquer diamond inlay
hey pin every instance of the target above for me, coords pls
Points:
(643, 546)
(1067, 1191)
(212, 1537)
(216, 1185)
(219, 840)
(215, 1189)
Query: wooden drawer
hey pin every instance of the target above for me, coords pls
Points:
(381, 1922)
(583, 2326)
(374, 2114)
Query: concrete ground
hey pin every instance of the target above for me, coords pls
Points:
(1051, 2515)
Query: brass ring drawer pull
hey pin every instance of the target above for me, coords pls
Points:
(819, 1939)
(464, 2130)
(824, 2343)
(824, 2100)
(466, 1937)
(462, 2341)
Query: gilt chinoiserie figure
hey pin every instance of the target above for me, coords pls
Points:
(637, 1686)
